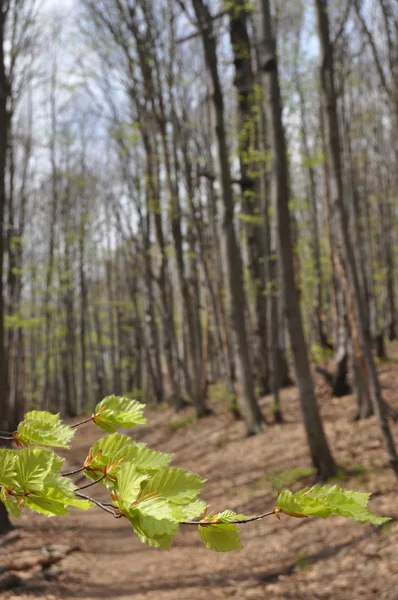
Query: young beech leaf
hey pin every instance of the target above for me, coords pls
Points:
(221, 538)
(153, 527)
(145, 459)
(159, 508)
(58, 462)
(7, 466)
(11, 504)
(109, 445)
(103, 453)
(55, 497)
(129, 485)
(32, 467)
(324, 501)
(153, 532)
(177, 485)
(44, 429)
(227, 516)
(116, 450)
(118, 411)
(194, 509)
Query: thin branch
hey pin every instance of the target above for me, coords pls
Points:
(7, 433)
(374, 50)
(83, 487)
(343, 22)
(9, 439)
(196, 34)
(83, 422)
(240, 522)
(99, 504)
(79, 470)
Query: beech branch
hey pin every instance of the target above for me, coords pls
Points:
(99, 504)
(83, 487)
(83, 422)
(240, 522)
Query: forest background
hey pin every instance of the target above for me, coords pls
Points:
(198, 196)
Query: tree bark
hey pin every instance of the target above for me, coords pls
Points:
(237, 301)
(248, 149)
(345, 248)
(320, 453)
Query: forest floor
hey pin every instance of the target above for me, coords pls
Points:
(291, 559)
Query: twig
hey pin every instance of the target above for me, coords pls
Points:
(83, 487)
(82, 422)
(240, 522)
(99, 504)
(79, 470)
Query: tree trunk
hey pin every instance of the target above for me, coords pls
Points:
(345, 249)
(320, 453)
(5, 524)
(253, 212)
(237, 301)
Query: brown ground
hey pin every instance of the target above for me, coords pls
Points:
(291, 559)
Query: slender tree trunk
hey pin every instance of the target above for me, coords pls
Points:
(345, 249)
(48, 308)
(320, 453)
(313, 196)
(248, 116)
(5, 524)
(237, 301)
(81, 398)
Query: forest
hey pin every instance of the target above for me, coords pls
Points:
(198, 210)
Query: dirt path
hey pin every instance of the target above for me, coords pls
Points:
(292, 559)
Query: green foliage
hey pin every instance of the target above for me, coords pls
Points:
(113, 412)
(221, 538)
(30, 477)
(324, 501)
(154, 497)
(42, 428)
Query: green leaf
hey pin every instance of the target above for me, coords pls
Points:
(7, 466)
(194, 509)
(160, 508)
(324, 501)
(32, 467)
(44, 429)
(116, 446)
(227, 516)
(118, 411)
(153, 532)
(145, 459)
(109, 445)
(221, 538)
(11, 504)
(55, 497)
(58, 462)
(105, 450)
(129, 485)
(177, 485)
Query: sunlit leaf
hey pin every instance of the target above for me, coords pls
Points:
(55, 497)
(324, 501)
(118, 411)
(7, 466)
(32, 467)
(221, 538)
(129, 484)
(44, 429)
(175, 484)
